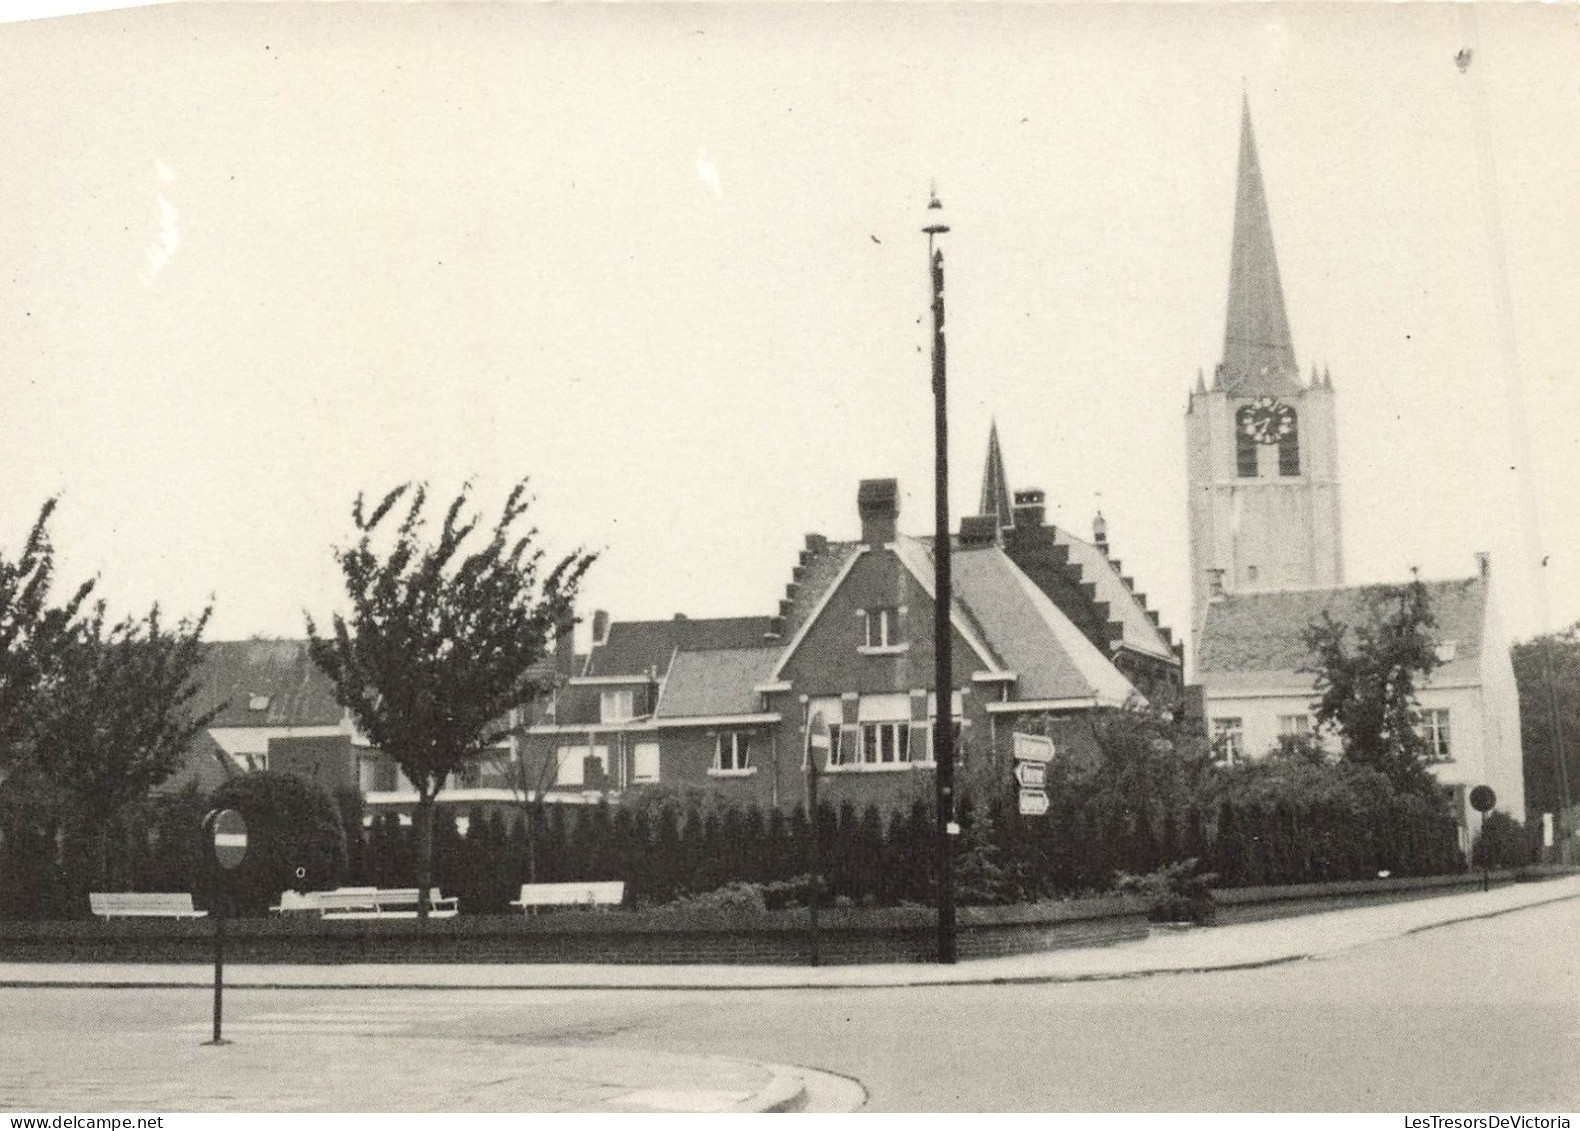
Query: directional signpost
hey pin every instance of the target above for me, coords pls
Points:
(1033, 752)
(226, 832)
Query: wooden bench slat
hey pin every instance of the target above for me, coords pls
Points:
(607, 892)
(147, 904)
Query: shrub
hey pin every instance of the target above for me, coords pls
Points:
(737, 899)
(1174, 893)
(1501, 843)
(292, 823)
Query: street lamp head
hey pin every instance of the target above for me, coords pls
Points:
(934, 223)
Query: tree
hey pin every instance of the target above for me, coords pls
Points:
(1366, 680)
(115, 719)
(31, 631)
(1547, 670)
(440, 644)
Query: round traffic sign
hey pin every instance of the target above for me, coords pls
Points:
(229, 832)
(1482, 799)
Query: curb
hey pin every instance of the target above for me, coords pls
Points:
(900, 982)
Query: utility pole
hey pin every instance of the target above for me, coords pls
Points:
(943, 720)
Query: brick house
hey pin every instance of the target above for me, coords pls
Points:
(723, 705)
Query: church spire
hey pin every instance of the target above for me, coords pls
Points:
(1258, 355)
(995, 484)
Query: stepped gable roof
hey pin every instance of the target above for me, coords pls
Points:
(706, 684)
(1250, 635)
(1023, 628)
(298, 693)
(634, 647)
(1096, 567)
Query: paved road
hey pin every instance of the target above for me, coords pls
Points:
(1481, 1016)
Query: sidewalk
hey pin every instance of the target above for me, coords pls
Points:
(1166, 952)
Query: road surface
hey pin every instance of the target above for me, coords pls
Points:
(1479, 1016)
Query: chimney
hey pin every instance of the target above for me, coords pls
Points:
(1214, 584)
(600, 627)
(978, 530)
(565, 648)
(1029, 507)
(878, 501)
(1483, 564)
(1100, 532)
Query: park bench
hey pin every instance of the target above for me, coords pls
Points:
(570, 895)
(143, 904)
(366, 903)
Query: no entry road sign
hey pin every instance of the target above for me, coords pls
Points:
(229, 831)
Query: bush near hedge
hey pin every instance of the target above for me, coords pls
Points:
(1265, 824)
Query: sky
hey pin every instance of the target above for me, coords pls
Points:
(666, 261)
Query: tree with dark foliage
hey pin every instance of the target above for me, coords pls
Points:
(1366, 680)
(31, 633)
(115, 720)
(440, 643)
(1547, 670)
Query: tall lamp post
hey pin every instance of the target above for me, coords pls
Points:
(943, 716)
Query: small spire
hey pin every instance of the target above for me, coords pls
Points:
(1100, 531)
(995, 484)
(1327, 378)
(1201, 381)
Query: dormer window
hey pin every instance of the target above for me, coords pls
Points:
(617, 706)
(258, 703)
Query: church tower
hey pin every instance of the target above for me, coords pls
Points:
(1261, 444)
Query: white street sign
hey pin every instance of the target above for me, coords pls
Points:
(1033, 748)
(1031, 775)
(1033, 803)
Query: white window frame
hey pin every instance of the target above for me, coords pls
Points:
(1230, 728)
(732, 754)
(570, 764)
(1295, 726)
(645, 763)
(885, 641)
(617, 705)
(1436, 727)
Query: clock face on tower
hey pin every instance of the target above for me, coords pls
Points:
(1266, 420)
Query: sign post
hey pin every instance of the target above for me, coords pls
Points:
(226, 832)
(817, 748)
(1483, 800)
(1033, 752)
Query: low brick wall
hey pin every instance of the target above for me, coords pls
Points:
(846, 936)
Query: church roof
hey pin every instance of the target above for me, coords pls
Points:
(1258, 352)
(995, 484)
(1258, 639)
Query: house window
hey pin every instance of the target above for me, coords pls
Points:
(644, 762)
(1228, 740)
(617, 706)
(732, 751)
(571, 764)
(1294, 726)
(885, 744)
(258, 703)
(1434, 728)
